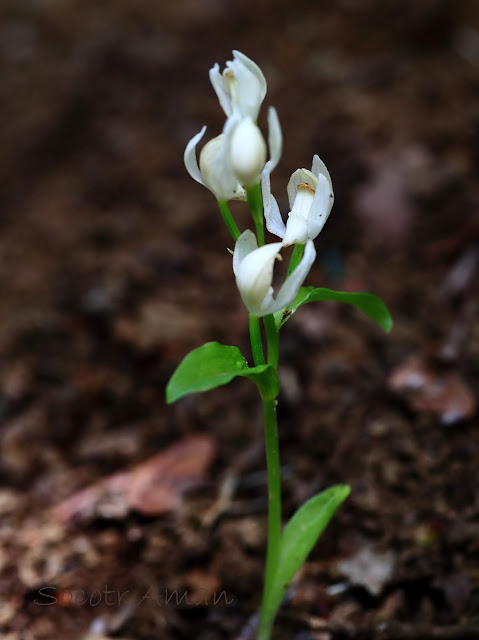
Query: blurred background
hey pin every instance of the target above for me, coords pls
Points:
(113, 265)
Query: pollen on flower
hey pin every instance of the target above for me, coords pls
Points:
(306, 186)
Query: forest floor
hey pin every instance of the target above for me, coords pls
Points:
(123, 517)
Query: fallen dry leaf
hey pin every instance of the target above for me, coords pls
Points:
(155, 487)
(456, 588)
(384, 203)
(446, 395)
(369, 569)
(158, 485)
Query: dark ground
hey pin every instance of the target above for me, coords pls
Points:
(113, 266)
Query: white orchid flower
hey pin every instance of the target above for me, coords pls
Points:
(234, 158)
(215, 171)
(253, 269)
(311, 198)
(241, 87)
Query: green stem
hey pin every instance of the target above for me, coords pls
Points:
(228, 219)
(296, 257)
(274, 486)
(272, 336)
(267, 614)
(255, 203)
(256, 342)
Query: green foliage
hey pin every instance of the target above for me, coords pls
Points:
(368, 303)
(299, 537)
(214, 365)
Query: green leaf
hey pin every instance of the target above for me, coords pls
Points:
(299, 537)
(214, 365)
(368, 303)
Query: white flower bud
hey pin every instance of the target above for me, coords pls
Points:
(247, 152)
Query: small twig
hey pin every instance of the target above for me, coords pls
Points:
(412, 632)
(230, 482)
(248, 632)
(395, 631)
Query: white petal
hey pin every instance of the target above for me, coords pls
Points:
(251, 86)
(245, 244)
(299, 176)
(272, 215)
(224, 160)
(247, 152)
(320, 168)
(290, 288)
(254, 276)
(296, 231)
(218, 85)
(253, 68)
(216, 170)
(189, 157)
(275, 138)
(320, 208)
(217, 177)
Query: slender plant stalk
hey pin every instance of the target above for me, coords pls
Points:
(274, 485)
(272, 336)
(228, 219)
(296, 256)
(267, 615)
(255, 202)
(274, 514)
(256, 342)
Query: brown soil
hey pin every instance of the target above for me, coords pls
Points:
(113, 266)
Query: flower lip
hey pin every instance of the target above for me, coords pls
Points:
(305, 185)
(300, 177)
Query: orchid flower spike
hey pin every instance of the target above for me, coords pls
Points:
(253, 269)
(241, 88)
(311, 198)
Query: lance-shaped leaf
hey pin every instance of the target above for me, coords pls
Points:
(299, 537)
(214, 365)
(368, 303)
